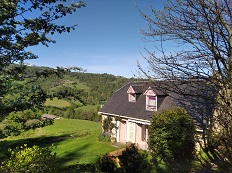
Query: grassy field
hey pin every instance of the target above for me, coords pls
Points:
(75, 140)
(57, 103)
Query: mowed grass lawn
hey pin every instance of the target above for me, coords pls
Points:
(75, 141)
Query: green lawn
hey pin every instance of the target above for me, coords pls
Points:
(75, 140)
(57, 102)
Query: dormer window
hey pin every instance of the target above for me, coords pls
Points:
(132, 97)
(133, 93)
(151, 100)
(151, 103)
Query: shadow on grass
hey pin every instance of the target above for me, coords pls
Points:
(76, 167)
(48, 141)
(219, 161)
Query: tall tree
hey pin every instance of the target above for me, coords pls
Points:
(199, 34)
(26, 23)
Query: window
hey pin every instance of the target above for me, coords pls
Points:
(151, 103)
(151, 99)
(144, 133)
(132, 97)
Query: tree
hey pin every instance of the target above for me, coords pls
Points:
(199, 33)
(30, 159)
(171, 135)
(26, 23)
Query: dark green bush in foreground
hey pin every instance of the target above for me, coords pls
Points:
(132, 160)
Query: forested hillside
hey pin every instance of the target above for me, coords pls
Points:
(75, 95)
(88, 88)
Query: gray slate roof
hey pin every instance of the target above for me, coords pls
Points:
(118, 104)
(197, 107)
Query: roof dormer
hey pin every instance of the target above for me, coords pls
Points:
(151, 99)
(133, 93)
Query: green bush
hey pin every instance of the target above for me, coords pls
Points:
(104, 138)
(171, 135)
(17, 122)
(132, 160)
(106, 164)
(30, 159)
(32, 123)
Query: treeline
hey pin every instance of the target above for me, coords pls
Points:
(73, 113)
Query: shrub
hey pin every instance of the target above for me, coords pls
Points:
(133, 160)
(30, 159)
(104, 138)
(171, 135)
(106, 164)
(32, 123)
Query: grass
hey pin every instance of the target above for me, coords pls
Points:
(75, 140)
(57, 103)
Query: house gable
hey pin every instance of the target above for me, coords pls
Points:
(133, 93)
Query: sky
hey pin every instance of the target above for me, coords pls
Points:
(107, 39)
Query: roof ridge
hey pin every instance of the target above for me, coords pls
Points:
(129, 83)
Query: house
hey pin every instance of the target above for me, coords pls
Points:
(132, 106)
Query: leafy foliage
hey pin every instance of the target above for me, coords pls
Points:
(171, 135)
(24, 24)
(108, 126)
(19, 30)
(17, 122)
(30, 159)
(132, 160)
(106, 164)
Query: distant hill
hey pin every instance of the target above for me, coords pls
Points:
(88, 88)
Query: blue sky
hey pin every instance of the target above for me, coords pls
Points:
(106, 40)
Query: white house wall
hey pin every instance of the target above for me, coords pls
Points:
(129, 130)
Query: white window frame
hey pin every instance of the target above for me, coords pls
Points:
(149, 106)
